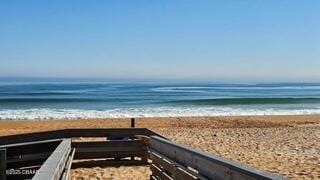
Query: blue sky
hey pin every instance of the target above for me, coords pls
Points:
(254, 40)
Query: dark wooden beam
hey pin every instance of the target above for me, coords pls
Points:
(132, 122)
(3, 166)
(74, 133)
(35, 147)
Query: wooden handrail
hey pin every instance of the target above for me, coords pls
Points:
(74, 133)
(54, 167)
(169, 159)
(207, 165)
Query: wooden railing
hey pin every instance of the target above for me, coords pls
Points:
(24, 159)
(174, 161)
(58, 164)
(110, 149)
(30, 153)
(51, 154)
(75, 133)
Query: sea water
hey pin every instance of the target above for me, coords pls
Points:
(113, 99)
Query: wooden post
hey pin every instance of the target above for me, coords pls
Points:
(132, 122)
(132, 126)
(3, 167)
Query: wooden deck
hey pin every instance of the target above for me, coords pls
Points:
(50, 155)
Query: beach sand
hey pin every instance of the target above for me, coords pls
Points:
(287, 145)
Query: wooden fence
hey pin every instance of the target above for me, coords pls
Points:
(51, 154)
(75, 133)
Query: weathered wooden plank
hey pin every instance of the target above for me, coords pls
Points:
(54, 166)
(114, 154)
(173, 169)
(30, 143)
(23, 164)
(183, 174)
(71, 133)
(164, 164)
(208, 165)
(109, 144)
(124, 132)
(109, 149)
(149, 133)
(153, 177)
(30, 153)
(29, 137)
(27, 160)
(19, 149)
(66, 173)
(89, 163)
(157, 172)
(3, 167)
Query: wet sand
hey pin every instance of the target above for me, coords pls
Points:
(287, 145)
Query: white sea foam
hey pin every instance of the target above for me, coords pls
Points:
(191, 89)
(205, 88)
(46, 114)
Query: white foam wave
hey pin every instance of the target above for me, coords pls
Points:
(46, 114)
(180, 89)
(199, 89)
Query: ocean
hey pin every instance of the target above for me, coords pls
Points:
(83, 100)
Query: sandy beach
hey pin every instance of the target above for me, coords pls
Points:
(287, 145)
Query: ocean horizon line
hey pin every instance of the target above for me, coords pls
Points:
(169, 80)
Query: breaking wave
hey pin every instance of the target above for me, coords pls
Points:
(48, 114)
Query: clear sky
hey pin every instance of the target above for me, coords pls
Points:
(163, 39)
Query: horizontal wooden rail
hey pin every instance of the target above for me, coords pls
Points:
(204, 164)
(74, 133)
(172, 169)
(68, 164)
(110, 149)
(35, 149)
(30, 147)
(29, 154)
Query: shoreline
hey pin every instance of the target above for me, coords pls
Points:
(148, 112)
(163, 117)
(8, 127)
